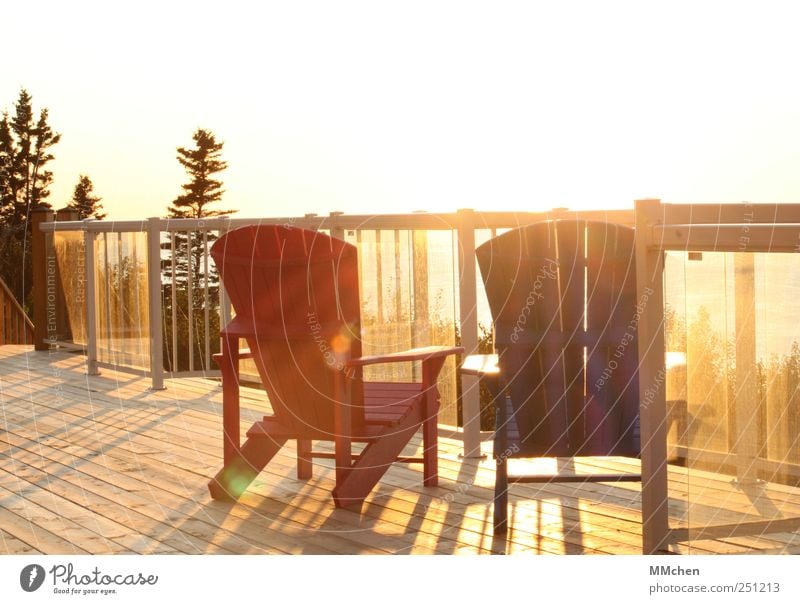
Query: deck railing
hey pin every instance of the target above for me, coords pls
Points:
(15, 326)
(131, 304)
(707, 277)
(736, 269)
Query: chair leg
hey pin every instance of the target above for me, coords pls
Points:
(229, 365)
(430, 446)
(430, 426)
(304, 462)
(501, 498)
(502, 404)
(353, 486)
(237, 474)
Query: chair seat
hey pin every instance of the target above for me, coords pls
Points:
(385, 404)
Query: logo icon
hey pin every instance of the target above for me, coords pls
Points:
(31, 577)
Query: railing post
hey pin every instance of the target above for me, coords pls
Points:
(336, 231)
(90, 283)
(652, 377)
(421, 332)
(468, 323)
(154, 297)
(43, 277)
(746, 401)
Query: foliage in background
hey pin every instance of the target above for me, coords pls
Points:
(710, 386)
(187, 254)
(485, 346)
(84, 201)
(25, 151)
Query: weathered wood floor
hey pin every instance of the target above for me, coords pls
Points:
(103, 465)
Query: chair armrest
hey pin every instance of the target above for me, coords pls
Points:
(480, 365)
(415, 354)
(244, 353)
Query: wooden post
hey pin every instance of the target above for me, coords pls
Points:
(154, 297)
(90, 282)
(420, 326)
(378, 279)
(746, 435)
(468, 322)
(400, 341)
(44, 276)
(652, 378)
(336, 230)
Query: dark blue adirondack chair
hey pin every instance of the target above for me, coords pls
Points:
(564, 381)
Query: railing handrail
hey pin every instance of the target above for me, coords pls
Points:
(413, 221)
(15, 303)
(732, 227)
(727, 214)
(721, 215)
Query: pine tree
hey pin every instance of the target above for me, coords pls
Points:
(202, 163)
(25, 143)
(87, 204)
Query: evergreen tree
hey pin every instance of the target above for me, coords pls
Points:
(202, 163)
(25, 144)
(83, 200)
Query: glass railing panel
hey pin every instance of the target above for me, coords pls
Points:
(733, 316)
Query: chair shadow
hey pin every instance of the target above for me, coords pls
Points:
(453, 519)
(417, 521)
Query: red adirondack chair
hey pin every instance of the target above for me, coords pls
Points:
(295, 293)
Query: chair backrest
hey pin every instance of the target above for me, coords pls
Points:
(563, 299)
(295, 295)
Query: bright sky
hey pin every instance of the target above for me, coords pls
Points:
(372, 108)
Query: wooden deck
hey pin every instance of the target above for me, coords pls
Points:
(103, 465)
